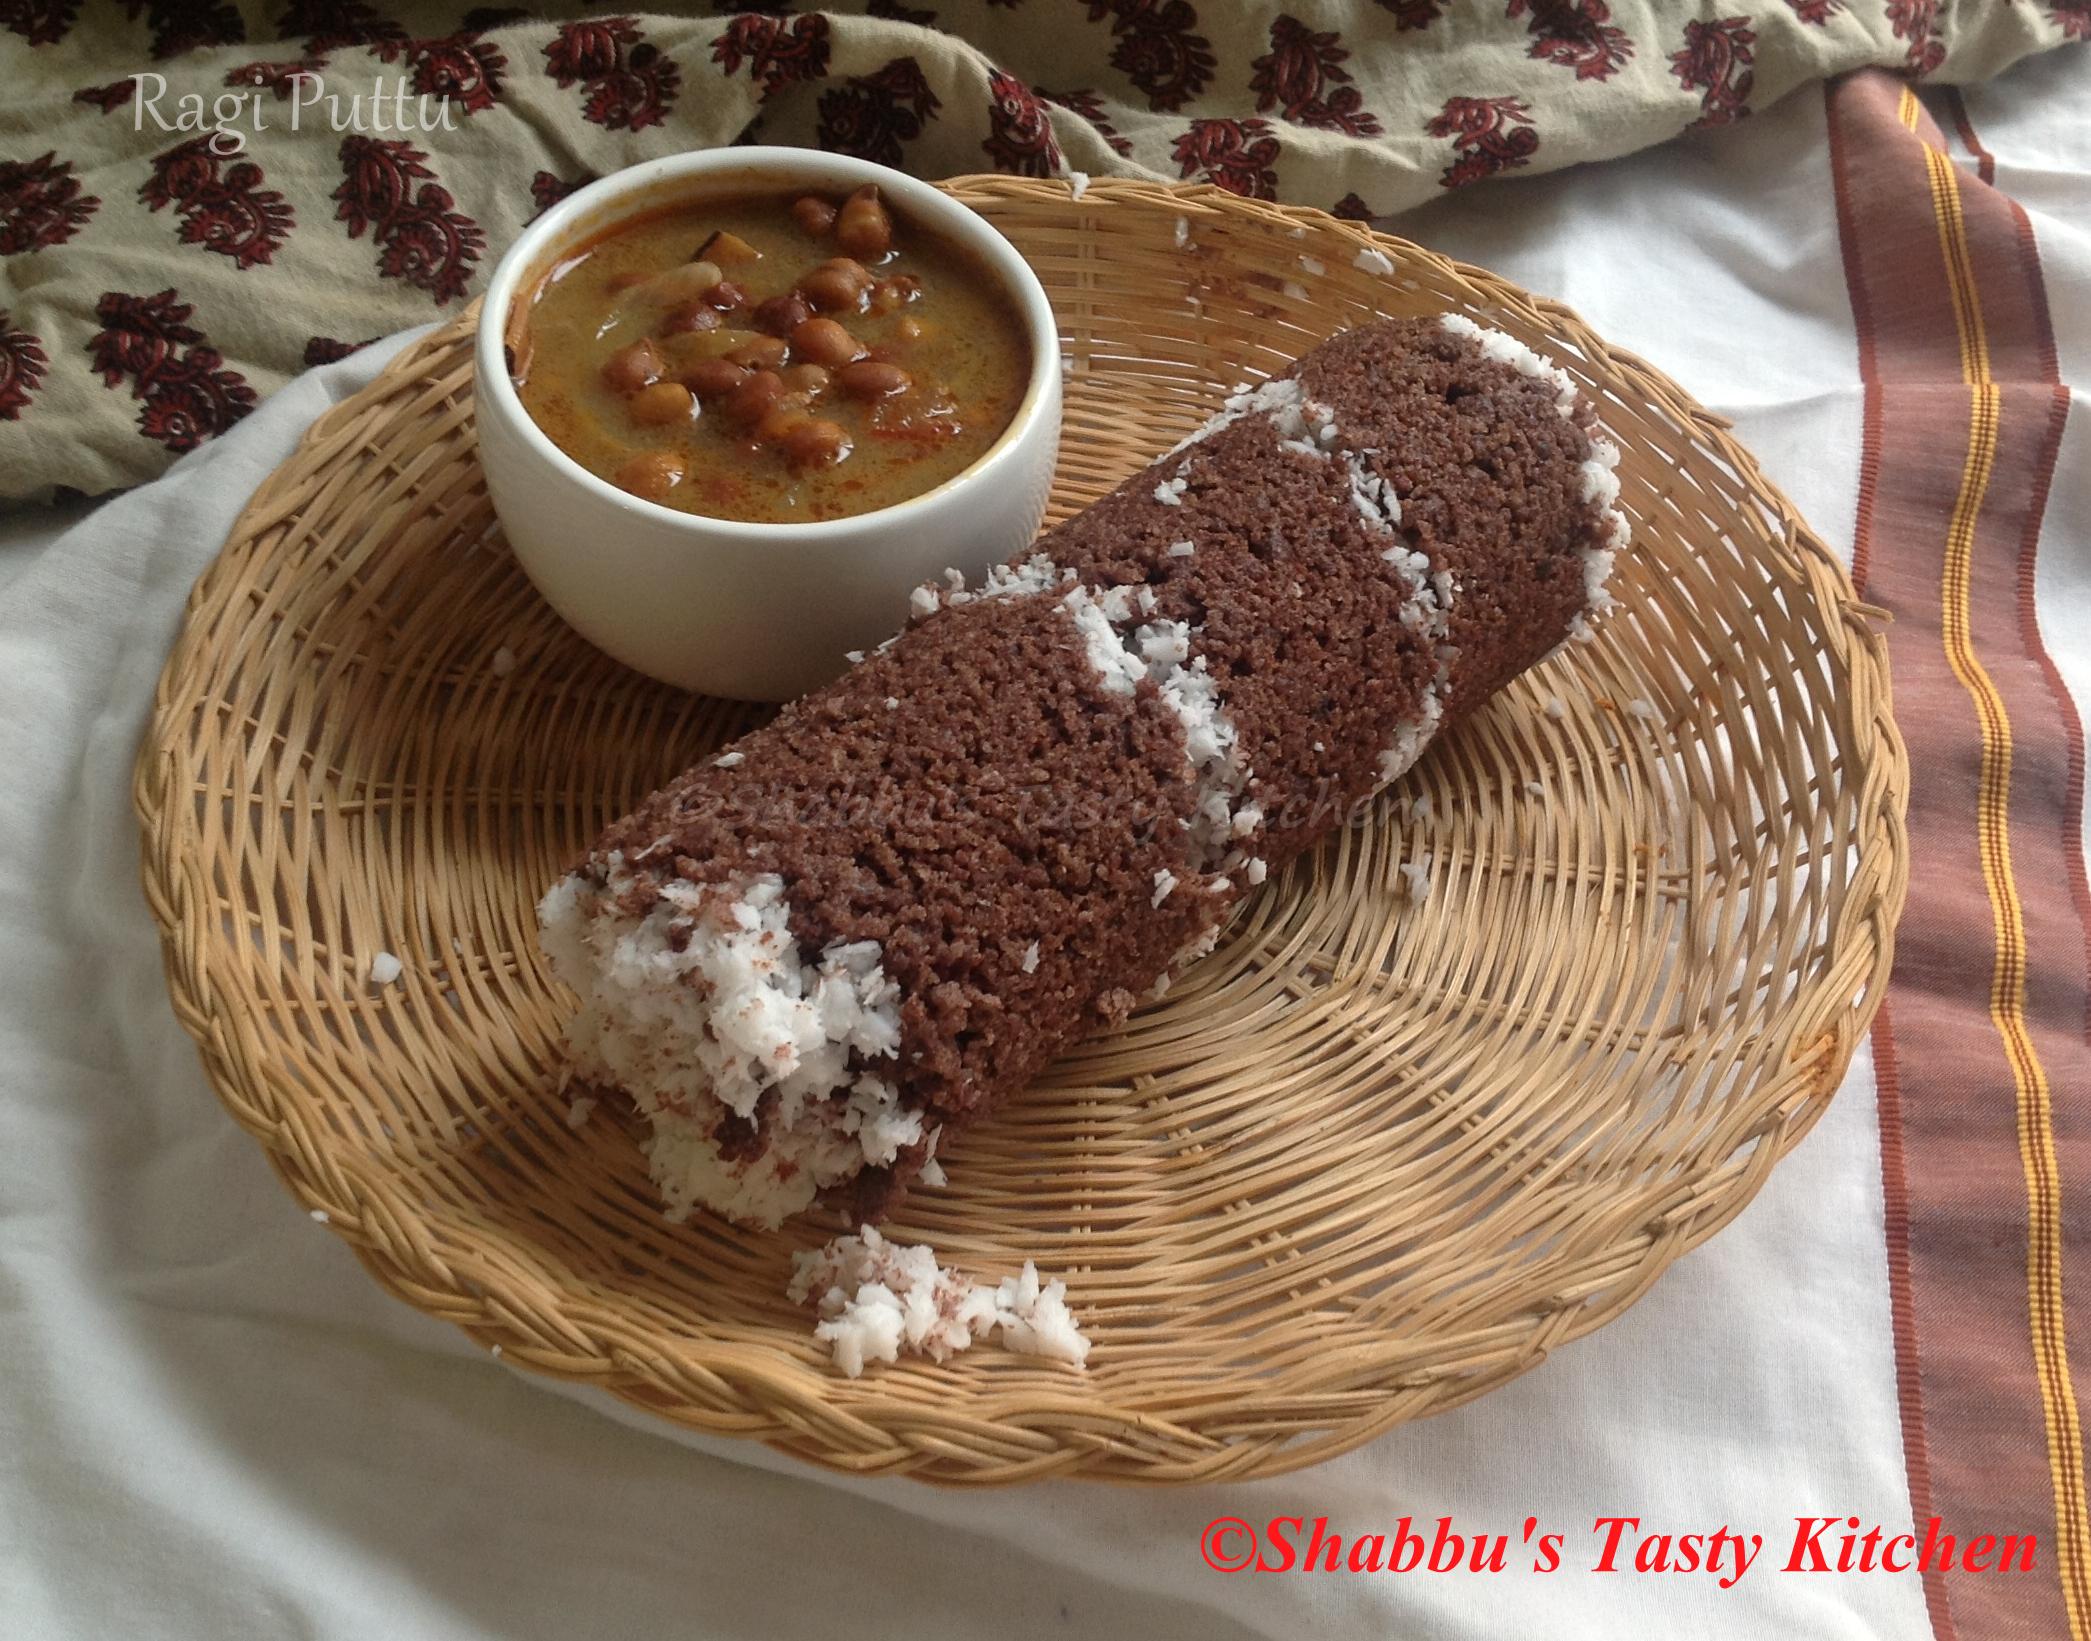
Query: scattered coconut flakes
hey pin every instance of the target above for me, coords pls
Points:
(384, 968)
(1411, 738)
(1170, 491)
(705, 1004)
(933, 1174)
(1423, 808)
(1183, 233)
(1119, 672)
(1313, 264)
(503, 662)
(1416, 874)
(1030, 962)
(320, 1216)
(1507, 349)
(1198, 946)
(1296, 291)
(1318, 747)
(1283, 401)
(1077, 184)
(1182, 549)
(1164, 884)
(1534, 790)
(1597, 480)
(1035, 1320)
(580, 1111)
(853, 657)
(497, 1350)
(1164, 646)
(892, 703)
(1555, 707)
(1211, 741)
(1256, 871)
(876, 1299)
(1379, 506)
(1160, 650)
(1373, 260)
(1036, 574)
(1642, 708)
(729, 760)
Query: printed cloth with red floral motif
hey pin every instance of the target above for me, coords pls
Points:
(198, 198)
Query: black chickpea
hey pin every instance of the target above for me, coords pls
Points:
(862, 227)
(652, 475)
(806, 378)
(824, 342)
(631, 368)
(779, 314)
(708, 378)
(764, 353)
(815, 215)
(836, 287)
(816, 442)
(695, 316)
(749, 402)
(872, 379)
(661, 404)
(780, 419)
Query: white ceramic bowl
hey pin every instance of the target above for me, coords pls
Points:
(760, 612)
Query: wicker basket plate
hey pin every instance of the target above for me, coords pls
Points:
(1378, 1154)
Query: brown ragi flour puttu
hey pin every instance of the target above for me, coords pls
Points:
(809, 958)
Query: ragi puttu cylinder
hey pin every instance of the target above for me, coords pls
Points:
(809, 958)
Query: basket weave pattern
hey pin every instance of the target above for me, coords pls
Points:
(1372, 1158)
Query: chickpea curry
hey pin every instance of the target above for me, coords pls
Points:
(772, 358)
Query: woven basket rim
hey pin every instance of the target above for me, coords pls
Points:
(800, 1411)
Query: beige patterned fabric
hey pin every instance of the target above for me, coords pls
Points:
(198, 198)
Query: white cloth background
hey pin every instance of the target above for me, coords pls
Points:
(213, 1425)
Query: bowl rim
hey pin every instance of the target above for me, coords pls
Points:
(652, 183)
